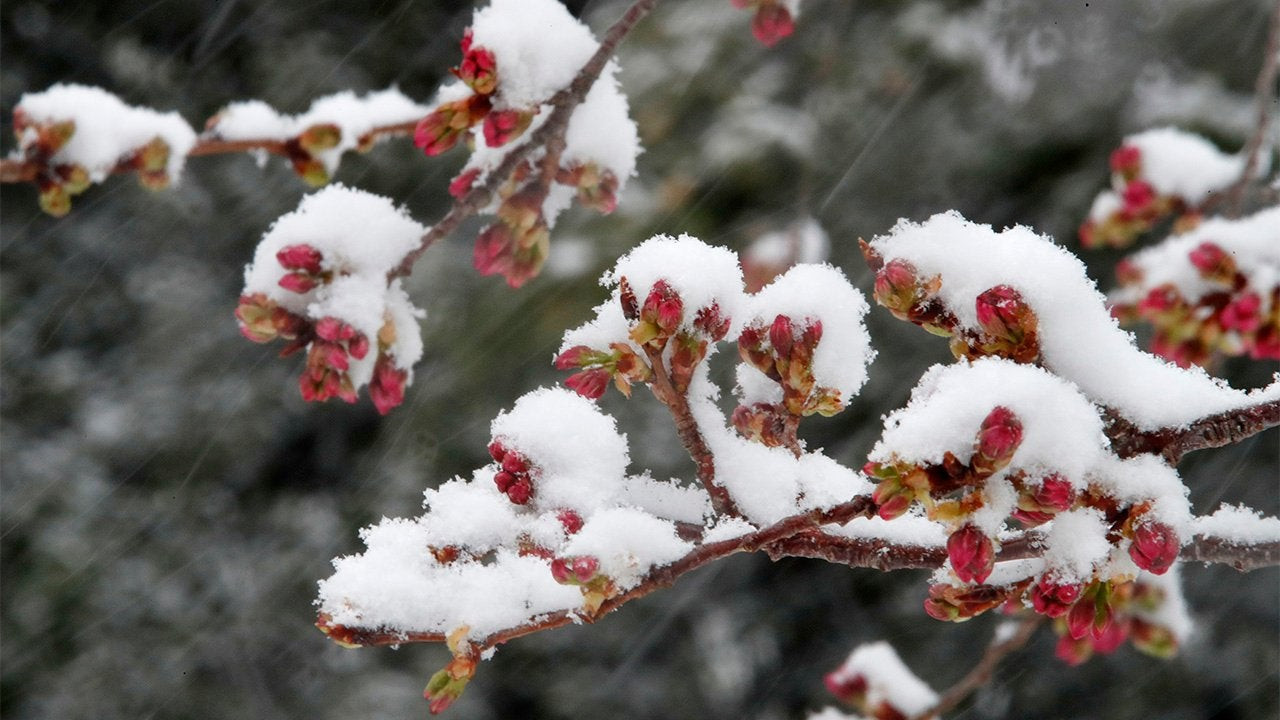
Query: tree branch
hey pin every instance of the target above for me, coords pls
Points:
(1212, 431)
(981, 673)
(550, 135)
(1265, 97)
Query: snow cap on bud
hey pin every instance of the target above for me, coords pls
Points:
(972, 554)
(1155, 546)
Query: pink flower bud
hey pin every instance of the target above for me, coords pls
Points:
(1209, 258)
(302, 258)
(1244, 314)
(520, 491)
(561, 571)
(461, 184)
(781, 335)
(1126, 160)
(1110, 637)
(441, 129)
(1155, 546)
(494, 250)
(574, 357)
(1055, 492)
(570, 520)
(478, 70)
(497, 450)
(515, 464)
(503, 126)
(590, 384)
(848, 688)
(1002, 312)
(358, 346)
(1138, 197)
(298, 282)
(1052, 599)
(771, 23)
(670, 313)
(972, 554)
(1080, 618)
(710, 322)
(585, 568)
(1073, 651)
(997, 441)
(386, 389)
(504, 480)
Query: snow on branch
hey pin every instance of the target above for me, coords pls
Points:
(1015, 294)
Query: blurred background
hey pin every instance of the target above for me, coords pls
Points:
(168, 501)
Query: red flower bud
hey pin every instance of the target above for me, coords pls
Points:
(298, 282)
(1080, 618)
(1244, 314)
(497, 450)
(571, 521)
(461, 184)
(848, 688)
(503, 126)
(520, 491)
(998, 440)
(574, 357)
(358, 346)
(585, 568)
(972, 554)
(302, 258)
(711, 323)
(504, 480)
(478, 70)
(771, 23)
(1138, 197)
(781, 336)
(1126, 160)
(1073, 651)
(561, 571)
(590, 384)
(1211, 260)
(386, 389)
(1110, 637)
(1155, 546)
(1052, 599)
(494, 249)
(515, 464)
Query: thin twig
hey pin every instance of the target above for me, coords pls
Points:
(1213, 431)
(981, 673)
(1265, 97)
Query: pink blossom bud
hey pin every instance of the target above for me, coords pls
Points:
(1155, 546)
(1209, 258)
(1080, 618)
(1111, 636)
(972, 554)
(386, 388)
(570, 520)
(303, 258)
(520, 491)
(504, 480)
(515, 464)
(590, 384)
(298, 282)
(461, 184)
(847, 688)
(575, 357)
(711, 322)
(478, 70)
(494, 250)
(670, 313)
(497, 450)
(441, 129)
(1052, 599)
(1073, 651)
(358, 346)
(585, 568)
(997, 441)
(329, 328)
(1244, 314)
(1138, 197)
(1055, 492)
(561, 571)
(771, 23)
(503, 126)
(1002, 312)
(781, 335)
(1126, 160)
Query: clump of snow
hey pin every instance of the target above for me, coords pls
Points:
(1075, 544)
(1250, 241)
(1183, 164)
(911, 530)
(361, 238)
(355, 116)
(530, 68)
(1146, 478)
(888, 679)
(702, 274)
(601, 130)
(1077, 333)
(607, 326)
(470, 515)
(1061, 430)
(580, 457)
(106, 129)
(1238, 524)
(668, 500)
(628, 542)
(821, 293)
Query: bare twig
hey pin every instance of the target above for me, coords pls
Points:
(981, 673)
(1265, 97)
(1213, 431)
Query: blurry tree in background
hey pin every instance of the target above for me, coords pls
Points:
(168, 499)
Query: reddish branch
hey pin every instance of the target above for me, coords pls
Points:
(14, 170)
(1212, 431)
(981, 673)
(689, 433)
(549, 135)
(1265, 97)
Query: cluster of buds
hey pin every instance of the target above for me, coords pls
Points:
(331, 344)
(1104, 615)
(517, 244)
(772, 22)
(448, 684)
(1137, 206)
(583, 571)
(443, 127)
(1233, 318)
(515, 474)
(619, 364)
(852, 690)
(1007, 326)
(783, 351)
(597, 189)
(304, 150)
(57, 183)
